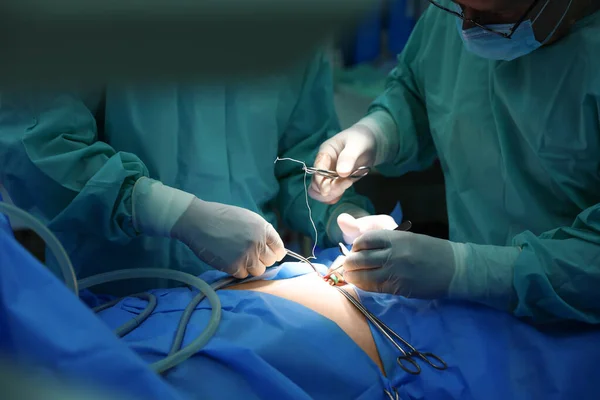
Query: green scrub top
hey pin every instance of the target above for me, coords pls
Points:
(519, 144)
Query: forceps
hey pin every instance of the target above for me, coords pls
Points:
(302, 259)
(355, 175)
(406, 359)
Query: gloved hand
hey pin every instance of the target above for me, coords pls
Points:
(371, 141)
(424, 267)
(355, 147)
(354, 227)
(401, 263)
(231, 239)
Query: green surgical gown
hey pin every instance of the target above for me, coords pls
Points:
(519, 144)
(72, 159)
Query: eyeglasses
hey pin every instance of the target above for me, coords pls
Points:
(508, 35)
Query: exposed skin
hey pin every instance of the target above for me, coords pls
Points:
(310, 291)
(510, 11)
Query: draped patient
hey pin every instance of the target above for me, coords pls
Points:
(313, 292)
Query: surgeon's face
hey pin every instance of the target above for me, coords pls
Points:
(511, 11)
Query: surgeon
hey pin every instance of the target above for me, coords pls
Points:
(506, 94)
(177, 176)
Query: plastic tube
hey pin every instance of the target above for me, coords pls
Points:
(66, 268)
(133, 323)
(187, 313)
(69, 278)
(189, 350)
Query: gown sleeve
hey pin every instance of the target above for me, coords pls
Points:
(54, 165)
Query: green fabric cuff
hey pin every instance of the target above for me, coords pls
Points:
(156, 207)
(484, 274)
(383, 127)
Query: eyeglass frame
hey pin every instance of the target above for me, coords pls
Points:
(508, 35)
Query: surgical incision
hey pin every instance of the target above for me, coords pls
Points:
(334, 279)
(335, 275)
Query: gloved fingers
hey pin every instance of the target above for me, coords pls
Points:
(376, 222)
(366, 260)
(274, 243)
(363, 279)
(320, 185)
(241, 272)
(336, 263)
(349, 227)
(256, 268)
(334, 189)
(326, 159)
(348, 222)
(358, 151)
(315, 194)
(377, 239)
(267, 256)
(375, 281)
(339, 186)
(249, 265)
(324, 189)
(348, 159)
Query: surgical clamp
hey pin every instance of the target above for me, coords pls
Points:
(405, 356)
(358, 173)
(301, 258)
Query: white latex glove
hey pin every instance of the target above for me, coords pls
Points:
(228, 238)
(424, 267)
(352, 227)
(355, 147)
(401, 263)
(371, 141)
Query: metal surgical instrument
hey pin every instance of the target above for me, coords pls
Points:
(358, 173)
(406, 359)
(302, 259)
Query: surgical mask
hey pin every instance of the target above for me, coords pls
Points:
(489, 45)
